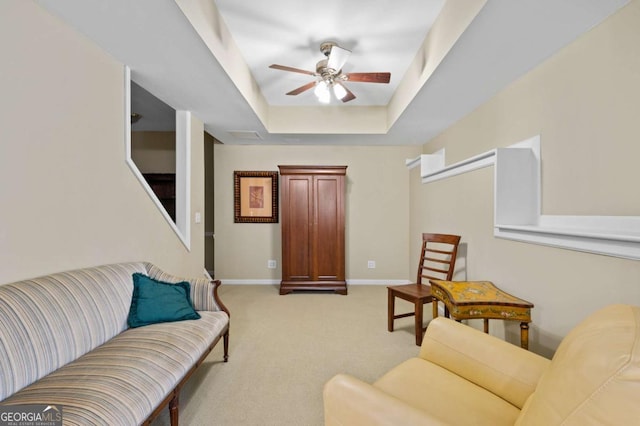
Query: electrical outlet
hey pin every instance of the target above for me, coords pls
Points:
(271, 264)
(371, 264)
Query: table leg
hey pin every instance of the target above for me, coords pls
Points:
(524, 335)
(486, 325)
(435, 308)
(419, 307)
(391, 302)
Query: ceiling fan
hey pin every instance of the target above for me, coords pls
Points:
(330, 77)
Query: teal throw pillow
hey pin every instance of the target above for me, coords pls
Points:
(156, 301)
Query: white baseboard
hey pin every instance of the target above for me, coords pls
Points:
(277, 282)
(249, 282)
(377, 282)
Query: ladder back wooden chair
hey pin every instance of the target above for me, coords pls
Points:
(437, 261)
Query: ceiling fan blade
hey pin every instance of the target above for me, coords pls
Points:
(302, 89)
(291, 69)
(337, 58)
(369, 77)
(349, 96)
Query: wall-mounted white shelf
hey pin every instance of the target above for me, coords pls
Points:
(432, 166)
(517, 213)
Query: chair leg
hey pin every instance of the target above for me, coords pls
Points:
(391, 301)
(419, 307)
(434, 306)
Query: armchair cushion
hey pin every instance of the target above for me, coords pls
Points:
(493, 364)
(445, 395)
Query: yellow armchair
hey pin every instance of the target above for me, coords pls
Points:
(463, 376)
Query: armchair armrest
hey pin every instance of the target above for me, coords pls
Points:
(349, 401)
(502, 368)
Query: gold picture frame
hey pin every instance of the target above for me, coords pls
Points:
(255, 196)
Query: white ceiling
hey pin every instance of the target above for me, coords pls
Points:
(155, 115)
(289, 32)
(168, 57)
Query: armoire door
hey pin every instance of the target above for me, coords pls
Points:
(297, 218)
(328, 244)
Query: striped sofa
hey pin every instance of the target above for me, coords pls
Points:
(64, 341)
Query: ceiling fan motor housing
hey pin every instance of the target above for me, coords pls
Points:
(326, 47)
(325, 72)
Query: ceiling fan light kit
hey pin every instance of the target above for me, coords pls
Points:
(339, 91)
(330, 77)
(322, 92)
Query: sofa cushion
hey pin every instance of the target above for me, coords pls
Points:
(155, 301)
(445, 395)
(50, 321)
(593, 376)
(121, 382)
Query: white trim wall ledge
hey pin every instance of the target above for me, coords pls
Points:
(517, 213)
(617, 236)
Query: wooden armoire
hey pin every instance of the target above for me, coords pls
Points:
(312, 202)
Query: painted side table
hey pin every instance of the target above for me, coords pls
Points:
(482, 299)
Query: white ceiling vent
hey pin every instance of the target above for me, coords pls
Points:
(245, 134)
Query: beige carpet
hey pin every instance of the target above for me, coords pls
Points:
(284, 348)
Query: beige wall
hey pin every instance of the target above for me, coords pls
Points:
(69, 199)
(154, 152)
(377, 210)
(583, 102)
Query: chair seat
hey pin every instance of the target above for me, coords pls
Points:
(412, 291)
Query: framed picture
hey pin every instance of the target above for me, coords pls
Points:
(255, 197)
